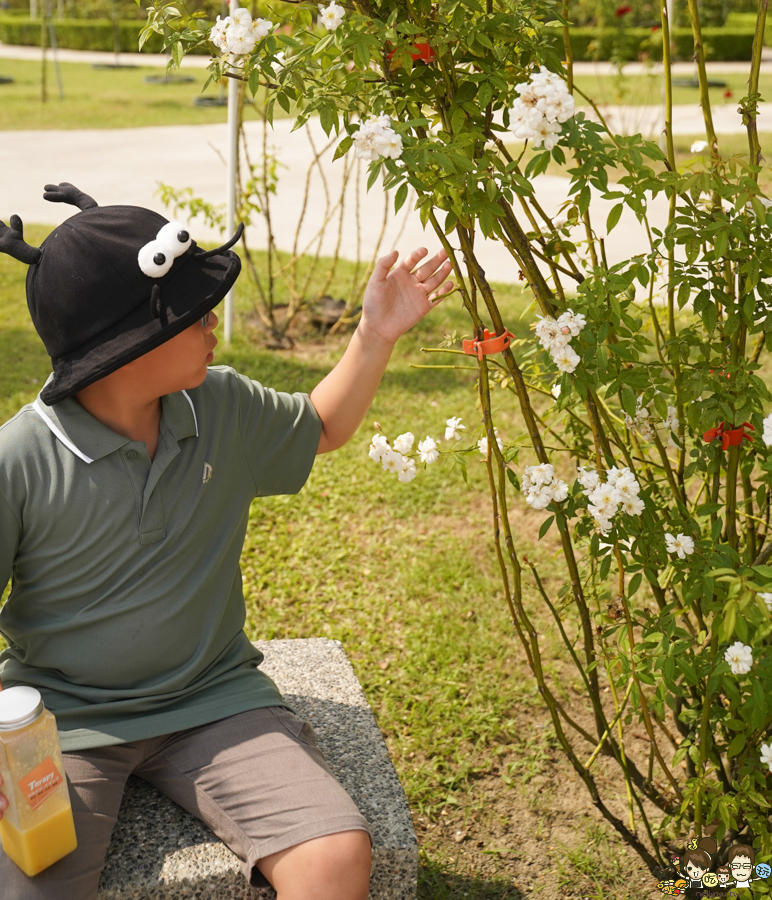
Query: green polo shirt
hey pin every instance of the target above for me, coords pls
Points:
(126, 609)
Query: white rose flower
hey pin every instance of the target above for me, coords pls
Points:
(280, 62)
(262, 28)
(566, 359)
(699, 147)
(633, 506)
(555, 390)
(767, 436)
(408, 471)
(482, 445)
(559, 490)
(605, 499)
(404, 443)
(541, 474)
(453, 429)
(428, 450)
(217, 34)
(538, 498)
(546, 133)
(588, 478)
(574, 322)
(740, 658)
(766, 755)
(549, 333)
(378, 447)
(331, 16)
(242, 17)
(392, 461)
(681, 544)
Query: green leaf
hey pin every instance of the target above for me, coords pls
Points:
(373, 177)
(613, 216)
(635, 583)
(400, 198)
(485, 94)
(546, 526)
(737, 745)
(343, 147)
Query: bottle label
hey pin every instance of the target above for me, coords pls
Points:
(40, 783)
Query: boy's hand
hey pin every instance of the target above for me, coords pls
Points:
(396, 298)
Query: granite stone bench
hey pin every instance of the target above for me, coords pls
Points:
(160, 852)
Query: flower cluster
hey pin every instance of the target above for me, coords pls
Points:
(376, 138)
(681, 544)
(237, 35)
(767, 434)
(740, 658)
(543, 105)
(541, 487)
(331, 16)
(555, 335)
(395, 459)
(620, 492)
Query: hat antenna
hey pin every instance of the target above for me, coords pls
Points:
(68, 193)
(12, 242)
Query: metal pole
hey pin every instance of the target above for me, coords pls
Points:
(233, 150)
(54, 49)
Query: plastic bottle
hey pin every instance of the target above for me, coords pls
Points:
(37, 829)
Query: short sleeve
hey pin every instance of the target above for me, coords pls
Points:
(280, 433)
(10, 531)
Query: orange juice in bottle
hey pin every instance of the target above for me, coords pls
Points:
(37, 829)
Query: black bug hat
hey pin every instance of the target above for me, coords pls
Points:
(111, 283)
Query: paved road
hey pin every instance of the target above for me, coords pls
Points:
(126, 166)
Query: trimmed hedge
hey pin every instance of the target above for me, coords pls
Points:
(587, 43)
(79, 34)
(600, 44)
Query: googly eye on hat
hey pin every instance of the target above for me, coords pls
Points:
(111, 283)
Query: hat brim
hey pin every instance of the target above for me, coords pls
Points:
(193, 287)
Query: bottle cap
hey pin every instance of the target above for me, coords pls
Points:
(19, 706)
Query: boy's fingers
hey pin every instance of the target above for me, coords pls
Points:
(384, 264)
(431, 265)
(438, 277)
(440, 295)
(410, 262)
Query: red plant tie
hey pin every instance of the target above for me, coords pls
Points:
(489, 344)
(729, 437)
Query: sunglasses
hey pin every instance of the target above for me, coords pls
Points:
(205, 320)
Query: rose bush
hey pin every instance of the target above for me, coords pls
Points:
(645, 372)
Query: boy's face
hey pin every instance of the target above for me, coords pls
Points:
(180, 362)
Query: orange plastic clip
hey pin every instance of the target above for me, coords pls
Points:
(489, 344)
(729, 437)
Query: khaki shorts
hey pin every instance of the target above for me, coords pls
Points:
(257, 779)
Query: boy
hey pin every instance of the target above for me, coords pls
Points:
(124, 495)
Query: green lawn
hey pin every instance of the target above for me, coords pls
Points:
(405, 577)
(638, 90)
(103, 98)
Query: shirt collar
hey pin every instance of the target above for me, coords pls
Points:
(89, 439)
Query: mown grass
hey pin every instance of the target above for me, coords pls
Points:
(646, 90)
(405, 577)
(105, 98)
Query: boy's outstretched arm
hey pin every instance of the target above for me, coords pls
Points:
(395, 299)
